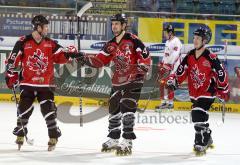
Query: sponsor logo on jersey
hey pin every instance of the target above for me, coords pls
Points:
(38, 79)
(28, 46)
(98, 45)
(215, 49)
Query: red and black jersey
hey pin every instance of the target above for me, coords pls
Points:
(205, 74)
(127, 56)
(36, 60)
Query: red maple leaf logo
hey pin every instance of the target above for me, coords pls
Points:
(197, 77)
(122, 61)
(38, 62)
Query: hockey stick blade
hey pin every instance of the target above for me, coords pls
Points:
(30, 141)
(223, 112)
(223, 109)
(81, 115)
(84, 8)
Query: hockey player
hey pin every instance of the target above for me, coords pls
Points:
(35, 54)
(168, 65)
(207, 79)
(131, 59)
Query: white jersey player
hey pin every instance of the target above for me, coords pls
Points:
(168, 65)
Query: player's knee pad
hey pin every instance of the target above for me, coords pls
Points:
(48, 109)
(49, 113)
(201, 126)
(128, 105)
(199, 115)
(24, 113)
(128, 120)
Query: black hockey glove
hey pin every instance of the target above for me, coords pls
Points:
(144, 68)
(74, 55)
(172, 82)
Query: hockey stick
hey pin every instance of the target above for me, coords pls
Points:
(225, 66)
(29, 141)
(84, 9)
(79, 15)
(149, 97)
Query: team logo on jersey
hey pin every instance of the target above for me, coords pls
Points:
(197, 77)
(38, 62)
(121, 61)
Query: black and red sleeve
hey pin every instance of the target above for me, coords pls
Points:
(15, 56)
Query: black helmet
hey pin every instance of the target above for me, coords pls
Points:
(39, 20)
(204, 32)
(119, 17)
(169, 28)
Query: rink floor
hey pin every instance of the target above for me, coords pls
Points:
(161, 140)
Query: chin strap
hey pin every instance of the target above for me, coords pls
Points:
(200, 47)
(171, 36)
(40, 33)
(119, 33)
